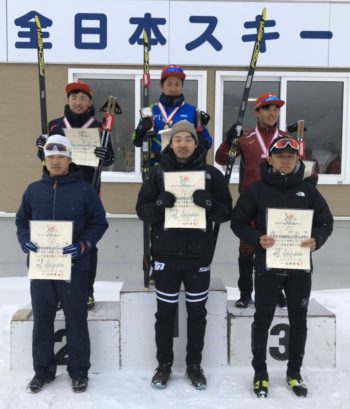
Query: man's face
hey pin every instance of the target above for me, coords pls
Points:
(172, 86)
(57, 165)
(284, 162)
(79, 102)
(183, 146)
(268, 115)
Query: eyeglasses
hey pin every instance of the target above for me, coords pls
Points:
(284, 143)
(56, 147)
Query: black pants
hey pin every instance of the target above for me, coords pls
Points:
(92, 271)
(297, 288)
(168, 275)
(45, 295)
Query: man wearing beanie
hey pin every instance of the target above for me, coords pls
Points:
(282, 186)
(170, 109)
(79, 113)
(252, 148)
(61, 194)
(179, 254)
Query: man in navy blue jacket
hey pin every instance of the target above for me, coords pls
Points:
(61, 194)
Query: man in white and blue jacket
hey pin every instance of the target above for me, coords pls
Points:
(62, 194)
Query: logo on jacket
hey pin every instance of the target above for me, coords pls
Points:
(203, 269)
(159, 266)
(300, 194)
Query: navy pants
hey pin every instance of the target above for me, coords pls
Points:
(45, 295)
(297, 288)
(168, 276)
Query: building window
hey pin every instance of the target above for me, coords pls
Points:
(126, 85)
(321, 101)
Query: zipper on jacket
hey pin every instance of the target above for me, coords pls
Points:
(54, 200)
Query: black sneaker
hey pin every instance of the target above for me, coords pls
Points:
(80, 384)
(244, 301)
(90, 302)
(161, 376)
(295, 381)
(37, 384)
(261, 385)
(195, 374)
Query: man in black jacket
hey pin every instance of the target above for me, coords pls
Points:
(61, 194)
(182, 254)
(282, 186)
(79, 113)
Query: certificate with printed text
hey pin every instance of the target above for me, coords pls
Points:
(48, 263)
(185, 214)
(289, 227)
(165, 137)
(84, 141)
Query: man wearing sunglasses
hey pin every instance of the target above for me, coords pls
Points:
(282, 186)
(170, 109)
(252, 148)
(61, 194)
(79, 113)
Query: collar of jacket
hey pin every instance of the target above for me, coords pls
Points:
(279, 180)
(78, 120)
(74, 175)
(171, 101)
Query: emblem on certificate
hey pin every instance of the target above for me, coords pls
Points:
(84, 141)
(185, 214)
(289, 227)
(49, 263)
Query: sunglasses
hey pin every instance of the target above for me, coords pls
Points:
(270, 99)
(56, 147)
(174, 69)
(284, 143)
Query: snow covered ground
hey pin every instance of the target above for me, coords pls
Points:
(227, 387)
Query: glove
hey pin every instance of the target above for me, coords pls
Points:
(102, 153)
(165, 199)
(203, 198)
(144, 125)
(205, 118)
(28, 246)
(40, 142)
(75, 250)
(232, 134)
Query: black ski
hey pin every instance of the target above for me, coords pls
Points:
(232, 153)
(41, 72)
(146, 162)
(110, 107)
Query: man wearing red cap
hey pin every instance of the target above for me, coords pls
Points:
(170, 109)
(252, 148)
(79, 113)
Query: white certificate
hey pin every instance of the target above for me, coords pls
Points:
(289, 227)
(165, 137)
(84, 141)
(48, 263)
(185, 214)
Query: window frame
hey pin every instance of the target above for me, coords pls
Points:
(80, 73)
(283, 77)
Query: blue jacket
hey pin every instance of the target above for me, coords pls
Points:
(186, 112)
(64, 198)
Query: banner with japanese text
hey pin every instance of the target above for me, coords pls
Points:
(184, 32)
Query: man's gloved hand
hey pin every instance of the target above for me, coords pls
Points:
(76, 249)
(40, 142)
(165, 200)
(203, 198)
(232, 134)
(142, 128)
(28, 246)
(102, 153)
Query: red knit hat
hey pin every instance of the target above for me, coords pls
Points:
(172, 71)
(78, 86)
(268, 99)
